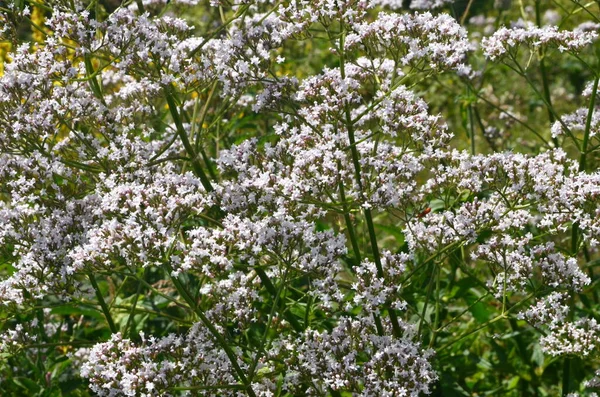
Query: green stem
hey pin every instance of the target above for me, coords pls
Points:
(289, 316)
(549, 106)
(466, 13)
(211, 328)
(224, 24)
(263, 341)
(140, 5)
(185, 141)
(102, 302)
(140, 310)
(128, 326)
(200, 123)
(367, 212)
(206, 387)
(567, 376)
(515, 119)
(459, 315)
(567, 384)
(376, 257)
(471, 332)
(349, 225)
(472, 127)
(436, 319)
(424, 310)
(502, 316)
(544, 73)
(159, 293)
(93, 81)
(588, 125)
(57, 344)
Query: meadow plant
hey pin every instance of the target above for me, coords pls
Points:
(322, 197)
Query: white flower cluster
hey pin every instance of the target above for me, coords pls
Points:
(505, 40)
(352, 357)
(120, 367)
(429, 4)
(103, 168)
(578, 338)
(438, 42)
(577, 122)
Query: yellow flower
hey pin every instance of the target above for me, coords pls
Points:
(38, 17)
(4, 55)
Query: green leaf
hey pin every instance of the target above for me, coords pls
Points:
(394, 231)
(27, 384)
(480, 311)
(537, 356)
(437, 205)
(71, 310)
(20, 5)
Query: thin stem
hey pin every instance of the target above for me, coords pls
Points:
(211, 328)
(436, 319)
(56, 344)
(471, 332)
(91, 74)
(289, 316)
(453, 319)
(185, 141)
(203, 114)
(566, 380)
(567, 384)
(544, 73)
(517, 120)
(139, 310)
(424, 310)
(224, 24)
(349, 225)
(472, 127)
(263, 341)
(502, 316)
(588, 124)
(357, 173)
(206, 387)
(466, 13)
(128, 326)
(549, 106)
(102, 302)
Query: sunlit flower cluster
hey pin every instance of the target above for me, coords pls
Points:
(236, 261)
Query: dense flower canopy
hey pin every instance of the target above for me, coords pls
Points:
(298, 198)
